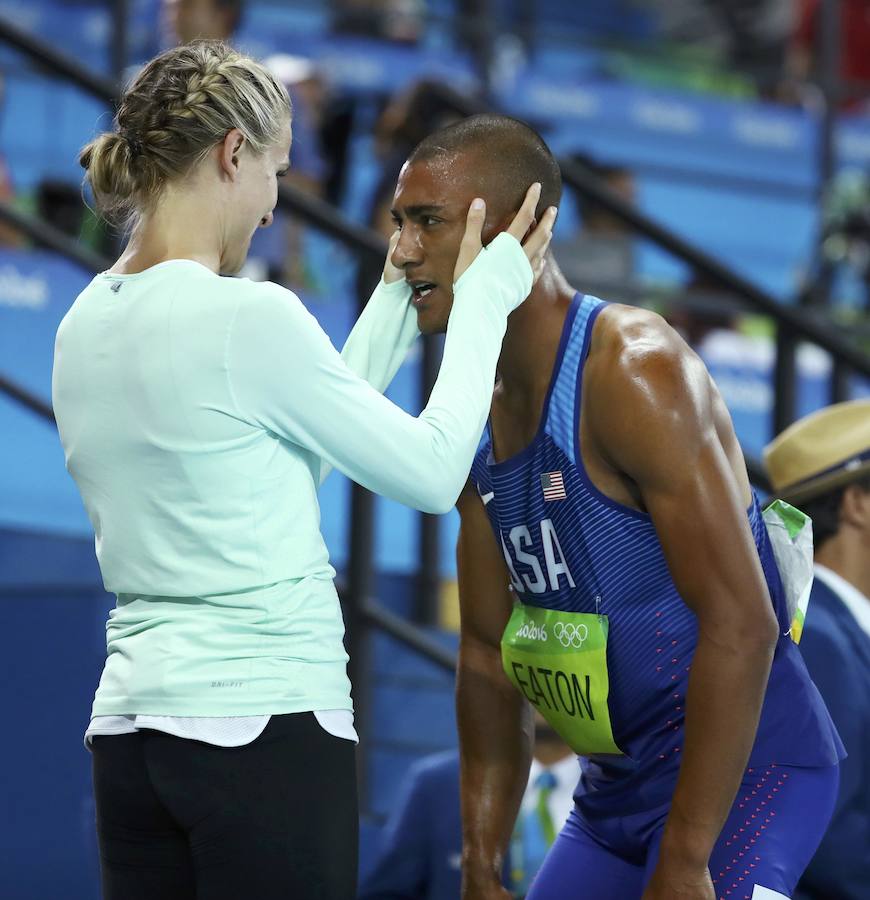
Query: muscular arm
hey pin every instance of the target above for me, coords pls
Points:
(656, 417)
(495, 730)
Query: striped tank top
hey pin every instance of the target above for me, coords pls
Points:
(570, 547)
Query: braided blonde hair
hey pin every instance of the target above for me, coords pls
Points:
(179, 106)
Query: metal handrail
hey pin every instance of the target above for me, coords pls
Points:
(27, 399)
(402, 630)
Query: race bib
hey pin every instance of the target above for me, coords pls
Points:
(558, 661)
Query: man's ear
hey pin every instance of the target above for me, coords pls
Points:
(229, 151)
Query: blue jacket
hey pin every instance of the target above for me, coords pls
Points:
(421, 849)
(837, 654)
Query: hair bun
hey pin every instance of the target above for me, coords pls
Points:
(108, 162)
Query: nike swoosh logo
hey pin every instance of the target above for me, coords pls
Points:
(487, 497)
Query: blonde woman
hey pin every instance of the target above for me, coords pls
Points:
(198, 414)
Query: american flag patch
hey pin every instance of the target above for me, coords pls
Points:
(553, 486)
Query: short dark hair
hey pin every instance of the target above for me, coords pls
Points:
(824, 510)
(520, 156)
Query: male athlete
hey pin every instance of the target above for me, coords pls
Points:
(614, 573)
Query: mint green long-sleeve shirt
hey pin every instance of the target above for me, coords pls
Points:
(198, 415)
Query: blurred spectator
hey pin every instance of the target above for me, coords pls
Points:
(821, 464)
(599, 256)
(187, 20)
(392, 20)
(804, 54)
(421, 852)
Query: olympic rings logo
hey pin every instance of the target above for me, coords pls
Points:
(570, 635)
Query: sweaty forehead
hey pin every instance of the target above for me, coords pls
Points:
(444, 180)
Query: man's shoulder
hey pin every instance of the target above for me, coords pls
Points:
(637, 358)
(628, 338)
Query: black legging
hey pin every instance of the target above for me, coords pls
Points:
(272, 820)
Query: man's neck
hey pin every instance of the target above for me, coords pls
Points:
(532, 338)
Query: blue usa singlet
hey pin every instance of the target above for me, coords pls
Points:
(569, 547)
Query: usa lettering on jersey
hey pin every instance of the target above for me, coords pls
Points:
(523, 555)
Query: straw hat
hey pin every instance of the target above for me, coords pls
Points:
(823, 451)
